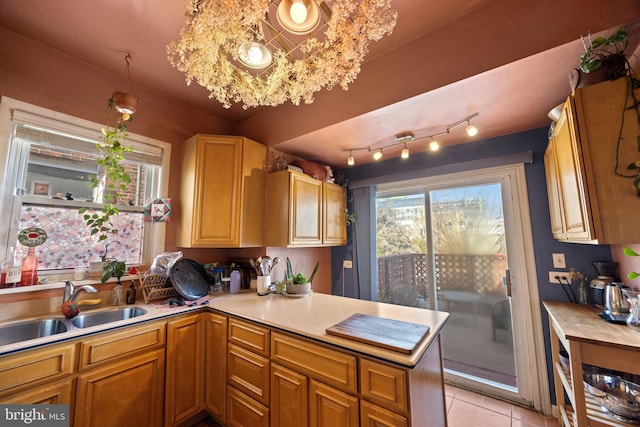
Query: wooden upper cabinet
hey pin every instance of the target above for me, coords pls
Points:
(222, 195)
(593, 142)
(303, 211)
(334, 230)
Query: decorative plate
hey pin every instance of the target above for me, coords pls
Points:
(32, 237)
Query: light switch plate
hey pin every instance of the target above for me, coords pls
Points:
(347, 263)
(559, 261)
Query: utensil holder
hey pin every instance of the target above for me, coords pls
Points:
(263, 285)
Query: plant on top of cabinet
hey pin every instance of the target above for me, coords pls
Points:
(606, 53)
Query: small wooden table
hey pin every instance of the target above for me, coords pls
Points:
(589, 340)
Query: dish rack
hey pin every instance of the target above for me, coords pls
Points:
(154, 287)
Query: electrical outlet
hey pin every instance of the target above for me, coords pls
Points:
(347, 263)
(561, 274)
(559, 261)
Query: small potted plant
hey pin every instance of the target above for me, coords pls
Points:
(606, 55)
(298, 283)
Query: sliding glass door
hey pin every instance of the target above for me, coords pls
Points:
(446, 245)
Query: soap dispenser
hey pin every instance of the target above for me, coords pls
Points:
(131, 294)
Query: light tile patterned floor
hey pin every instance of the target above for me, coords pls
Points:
(467, 409)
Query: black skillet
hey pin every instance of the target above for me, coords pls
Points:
(189, 279)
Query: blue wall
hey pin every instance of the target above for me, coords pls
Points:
(577, 255)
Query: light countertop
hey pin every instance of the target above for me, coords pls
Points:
(307, 316)
(581, 322)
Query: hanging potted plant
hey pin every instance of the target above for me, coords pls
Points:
(112, 177)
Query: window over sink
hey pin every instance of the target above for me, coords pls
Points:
(49, 158)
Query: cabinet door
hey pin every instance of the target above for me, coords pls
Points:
(289, 398)
(334, 230)
(185, 369)
(305, 210)
(210, 191)
(555, 203)
(215, 390)
(329, 407)
(242, 411)
(129, 393)
(571, 177)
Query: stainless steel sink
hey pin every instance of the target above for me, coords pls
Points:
(107, 316)
(30, 329)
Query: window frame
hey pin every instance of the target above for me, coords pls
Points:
(154, 237)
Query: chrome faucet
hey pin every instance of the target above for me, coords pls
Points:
(71, 293)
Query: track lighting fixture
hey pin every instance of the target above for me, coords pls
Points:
(471, 129)
(350, 160)
(408, 137)
(405, 152)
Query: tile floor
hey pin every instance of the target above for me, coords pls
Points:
(467, 409)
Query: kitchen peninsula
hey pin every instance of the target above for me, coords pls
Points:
(245, 359)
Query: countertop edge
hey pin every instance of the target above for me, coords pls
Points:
(305, 317)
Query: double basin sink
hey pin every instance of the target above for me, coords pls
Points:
(19, 331)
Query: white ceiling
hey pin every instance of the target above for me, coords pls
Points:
(509, 61)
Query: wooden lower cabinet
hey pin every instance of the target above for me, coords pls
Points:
(57, 393)
(375, 416)
(122, 394)
(289, 398)
(243, 411)
(215, 387)
(329, 407)
(185, 369)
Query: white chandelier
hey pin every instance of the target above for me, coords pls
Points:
(265, 52)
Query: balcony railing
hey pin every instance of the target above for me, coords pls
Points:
(406, 279)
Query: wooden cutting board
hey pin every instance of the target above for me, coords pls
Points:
(381, 332)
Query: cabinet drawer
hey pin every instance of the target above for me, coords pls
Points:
(115, 345)
(383, 384)
(250, 336)
(36, 366)
(329, 366)
(372, 415)
(244, 411)
(249, 372)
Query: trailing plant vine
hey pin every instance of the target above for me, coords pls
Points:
(112, 177)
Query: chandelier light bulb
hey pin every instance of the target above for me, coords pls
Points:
(377, 155)
(405, 152)
(350, 160)
(254, 53)
(434, 145)
(298, 12)
(471, 130)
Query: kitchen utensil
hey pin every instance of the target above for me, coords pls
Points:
(614, 300)
(618, 397)
(633, 319)
(189, 279)
(252, 263)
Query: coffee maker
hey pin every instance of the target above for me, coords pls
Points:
(607, 273)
